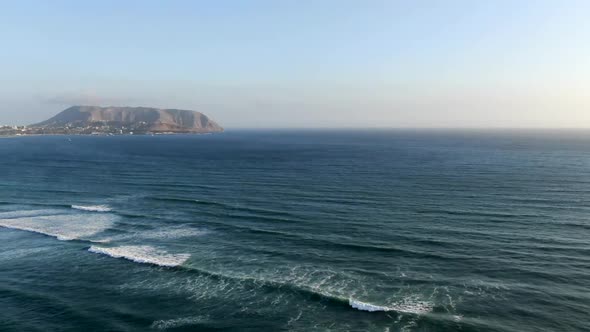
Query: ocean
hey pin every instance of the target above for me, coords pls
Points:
(293, 230)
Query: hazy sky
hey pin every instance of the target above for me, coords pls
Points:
(300, 63)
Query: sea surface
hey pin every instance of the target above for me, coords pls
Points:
(318, 230)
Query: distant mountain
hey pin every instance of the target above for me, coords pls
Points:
(144, 119)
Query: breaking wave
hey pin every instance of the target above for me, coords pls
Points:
(85, 226)
(142, 254)
(325, 290)
(64, 227)
(92, 208)
(407, 305)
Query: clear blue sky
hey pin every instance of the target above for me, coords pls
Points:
(302, 63)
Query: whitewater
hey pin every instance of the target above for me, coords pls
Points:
(295, 231)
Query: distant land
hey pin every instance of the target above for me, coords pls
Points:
(95, 120)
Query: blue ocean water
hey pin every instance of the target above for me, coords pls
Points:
(386, 230)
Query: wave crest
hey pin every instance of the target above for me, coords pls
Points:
(64, 227)
(407, 305)
(142, 254)
(92, 208)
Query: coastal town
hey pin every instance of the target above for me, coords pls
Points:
(95, 128)
(110, 121)
(6, 130)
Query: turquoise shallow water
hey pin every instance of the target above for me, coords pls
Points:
(297, 231)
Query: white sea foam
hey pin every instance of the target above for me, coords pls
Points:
(62, 226)
(367, 306)
(177, 322)
(92, 208)
(142, 254)
(341, 286)
(406, 306)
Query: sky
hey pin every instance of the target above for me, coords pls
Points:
(303, 63)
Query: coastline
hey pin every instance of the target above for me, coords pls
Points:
(109, 135)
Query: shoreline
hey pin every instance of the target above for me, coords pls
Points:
(108, 135)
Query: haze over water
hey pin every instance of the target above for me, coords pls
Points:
(390, 230)
(305, 63)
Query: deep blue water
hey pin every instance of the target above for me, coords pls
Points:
(297, 231)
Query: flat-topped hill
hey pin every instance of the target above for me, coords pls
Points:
(141, 118)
